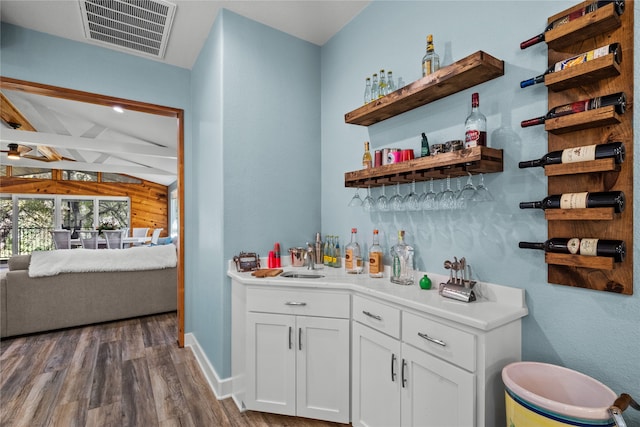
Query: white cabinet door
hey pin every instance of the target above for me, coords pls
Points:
(323, 368)
(435, 393)
(271, 363)
(376, 378)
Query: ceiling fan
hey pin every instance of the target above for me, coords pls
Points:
(16, 151)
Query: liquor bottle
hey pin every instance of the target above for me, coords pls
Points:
(375, 89)
(424, 146)
(383, 89)
(475, 127)
(402, 262)
(319, 252)
(353, 255)
(618, 100)
(367, 161)
(615, 249)
(606, 199)
(613, 48)
(391, 85)
(618, 7)
(376, 268)
(431, 60)
(337, 254)
(367, 90)
(327, 251)
(585, 153)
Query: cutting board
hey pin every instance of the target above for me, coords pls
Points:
(267, 272)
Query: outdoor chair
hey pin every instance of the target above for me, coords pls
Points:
(113, 238)
(89, 239)
(139, 232)
(154, 236)
(61, 239)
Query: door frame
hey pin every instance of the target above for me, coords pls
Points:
(143, 107)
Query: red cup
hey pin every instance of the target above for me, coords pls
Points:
(407, 155)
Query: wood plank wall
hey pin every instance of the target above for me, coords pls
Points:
(149, 201)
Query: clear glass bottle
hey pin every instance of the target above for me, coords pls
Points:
(376, 268)
(475, 127)
(431, 60)
(367, 161)
(383, 89)
(337, 254)
(367, 90)
(402, 262)
(391, 85)
(353, 255)
(327, 251)
(375, 88)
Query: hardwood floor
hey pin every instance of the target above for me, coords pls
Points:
(125, 373)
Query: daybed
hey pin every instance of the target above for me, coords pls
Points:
(35, 304)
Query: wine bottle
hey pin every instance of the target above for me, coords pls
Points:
(584, 153)
(376, 268)
(618, 7)
(606, 199)
(431, 60)
(475, 126)
(367, 161)
(615, 249)
(424, 146)
(613, 48)
(618, 100)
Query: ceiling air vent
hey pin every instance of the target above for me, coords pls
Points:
(140, 26)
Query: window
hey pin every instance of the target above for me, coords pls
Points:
(79, 176)
(117, 210)
(114, 177)
(77, 214)
(24, 172)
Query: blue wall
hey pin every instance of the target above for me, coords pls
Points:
(256, 156)
(597, 333)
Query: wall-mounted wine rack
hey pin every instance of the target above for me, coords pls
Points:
(594, 78)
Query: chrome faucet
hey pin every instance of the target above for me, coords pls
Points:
(311, 256)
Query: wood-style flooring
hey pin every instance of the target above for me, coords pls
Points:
(124, 373)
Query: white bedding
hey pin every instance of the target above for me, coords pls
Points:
(51, 263)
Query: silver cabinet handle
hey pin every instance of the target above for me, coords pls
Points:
(295, 303)
(299, 338)
(433, 340)
(289, 337)
(404, 380)
(393, 372)
(373, 316)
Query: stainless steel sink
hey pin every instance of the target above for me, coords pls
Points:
(296, 275)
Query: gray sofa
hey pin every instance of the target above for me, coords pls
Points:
(30, 305)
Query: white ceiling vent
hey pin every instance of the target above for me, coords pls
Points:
(141, 26)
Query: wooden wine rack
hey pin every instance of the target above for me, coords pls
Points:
(595, 78)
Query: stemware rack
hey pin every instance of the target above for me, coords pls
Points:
(594, 78)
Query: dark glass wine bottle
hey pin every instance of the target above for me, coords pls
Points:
(615, 249)
(619, 100)
(613, 48)
(606, 199)
(618, 7)
(585, 153)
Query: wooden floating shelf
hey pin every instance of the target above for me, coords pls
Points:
(583, 74)
(585, 120)
(457, 163)
(590, 25)
(600, 165)
(588, 214)
(476, 68)
(582, 261)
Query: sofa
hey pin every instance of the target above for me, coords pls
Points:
(36, 304)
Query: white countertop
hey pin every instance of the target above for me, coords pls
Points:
(495, 306)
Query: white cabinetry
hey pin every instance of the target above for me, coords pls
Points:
(298, 361)
(412, 371)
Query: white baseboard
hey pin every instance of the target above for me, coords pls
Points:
(221, 388)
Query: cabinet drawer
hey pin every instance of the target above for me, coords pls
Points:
(303, 303)
(379, 316)
(448, 343)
